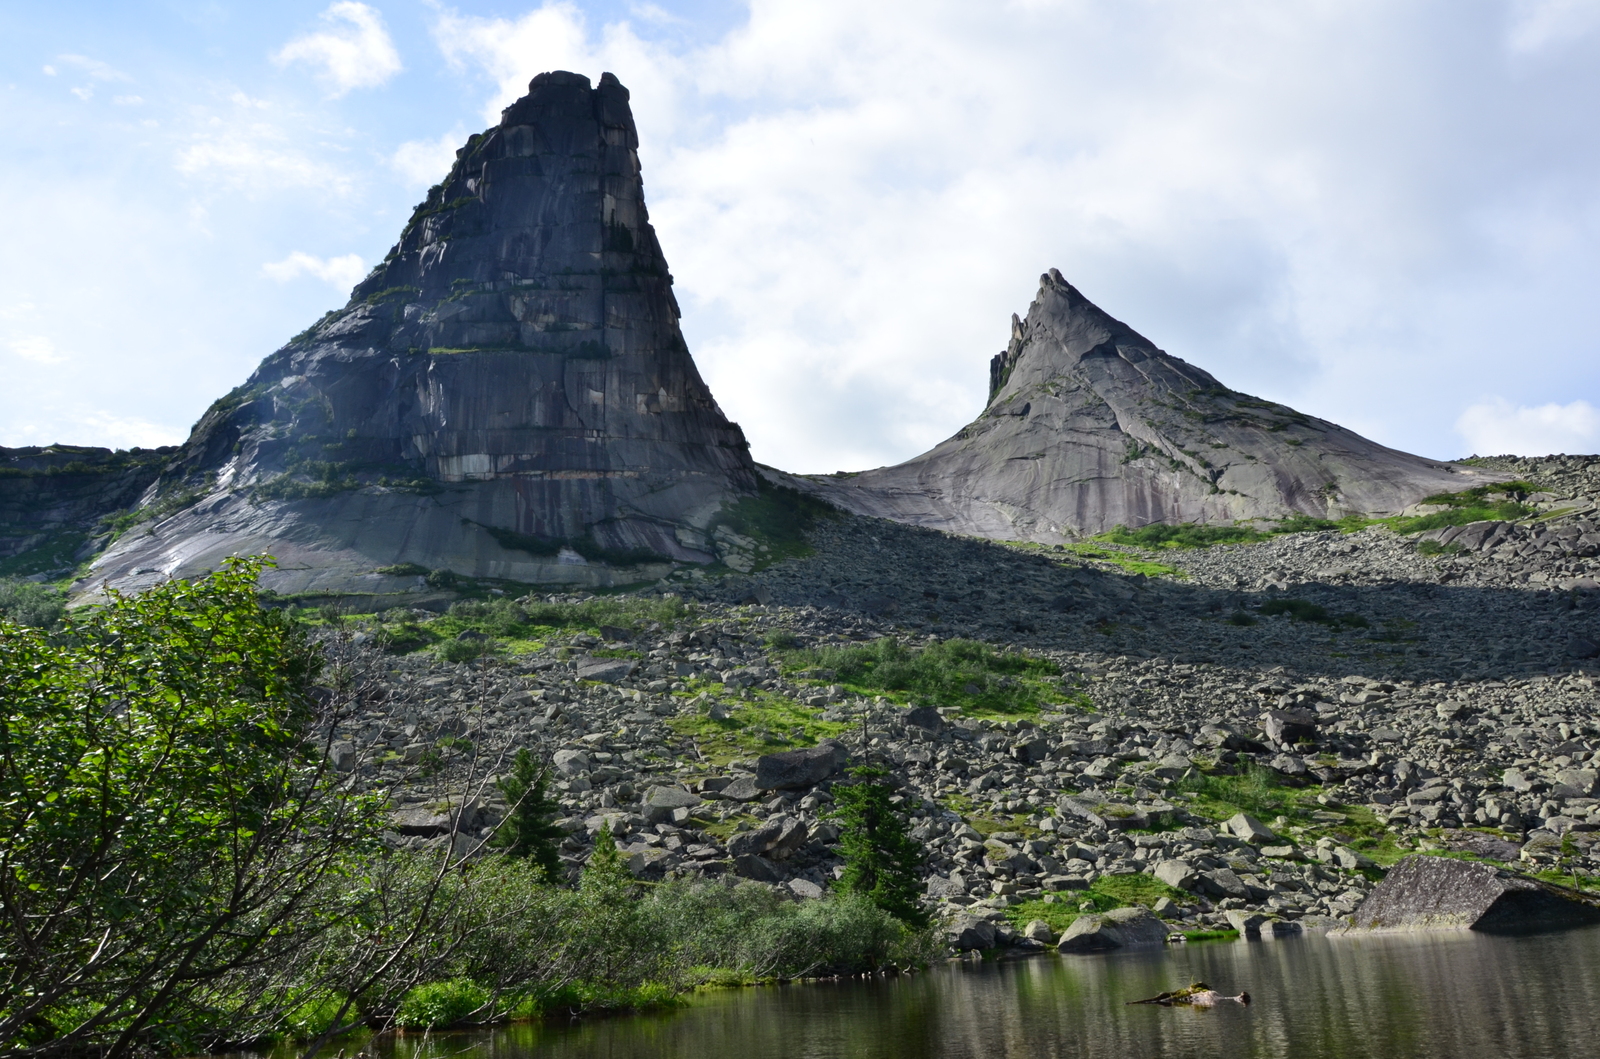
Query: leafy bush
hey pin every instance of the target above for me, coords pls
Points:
(962, 673)
(165, 818)
(29, 603)
(439, 1004)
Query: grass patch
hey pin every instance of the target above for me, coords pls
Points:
(1131, 563)
(1196, 535)
(1254, 789)
(1106, 893)
(962, 673)
(766, 725)
(776, 516)
(1503, 501)
(1181, 535)
(1210, 935)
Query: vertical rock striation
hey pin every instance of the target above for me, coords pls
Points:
(1089, 425)
(506, 395)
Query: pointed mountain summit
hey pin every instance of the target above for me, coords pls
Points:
(1089, 426)
(507, 395)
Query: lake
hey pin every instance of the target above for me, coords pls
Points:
(1455, 995)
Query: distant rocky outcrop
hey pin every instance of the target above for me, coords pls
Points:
(53, 499)
(1435, 893)
(1089, 426)
(507, 395)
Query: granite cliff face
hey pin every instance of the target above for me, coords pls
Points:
(1089, 425)
(506, 395)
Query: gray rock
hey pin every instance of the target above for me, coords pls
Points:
(1247, 827)
(1248, 924)
(515, 360)
(799, 769)
(743, 789)
(1582, 781)
(777, 835)
(1288, 727)
(342, 756)
(1116, 929)
(1436, 893)
(1085, 422)
(805, 889)
(1176, 873)
(659, 802)
(1038, 930)
(1582, 647)
(753, 866)
(607, 670)
(570, 762)
(925, 717)
(969, 934)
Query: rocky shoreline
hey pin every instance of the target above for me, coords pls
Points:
(1413, 702)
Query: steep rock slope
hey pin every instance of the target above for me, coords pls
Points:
(507, 394)
(1089, 425)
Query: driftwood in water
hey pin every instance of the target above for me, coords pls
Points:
(1196, 994)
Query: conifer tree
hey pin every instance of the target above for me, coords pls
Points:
(530, 830)
(881, 859)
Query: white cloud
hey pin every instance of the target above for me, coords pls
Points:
(127, 101)
(511, 51)
(37, 348)
(1497, 428)
(84, 93)
(355, 52)
(342, 272)
(423, 163)
(1539, 24)
(96, 69)
(258, 156)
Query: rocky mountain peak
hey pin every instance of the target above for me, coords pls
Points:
(1089, 425)
(507, 394)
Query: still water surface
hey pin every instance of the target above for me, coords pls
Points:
(1459, 996)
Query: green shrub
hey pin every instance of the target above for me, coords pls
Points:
(962, 673)
(457, 650)
(1254, 789)
(1182, 535)
(29, 603)
(440, 1004)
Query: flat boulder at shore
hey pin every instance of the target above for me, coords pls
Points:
(1438, 893)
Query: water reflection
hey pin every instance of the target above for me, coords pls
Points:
(1441, 995)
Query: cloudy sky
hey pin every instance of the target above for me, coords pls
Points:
(1384, 213)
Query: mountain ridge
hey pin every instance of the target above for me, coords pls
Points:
(1089, 425)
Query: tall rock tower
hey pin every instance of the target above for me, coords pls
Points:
(1089, 425)
(507, 395)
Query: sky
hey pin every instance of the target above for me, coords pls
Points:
(1382, 212)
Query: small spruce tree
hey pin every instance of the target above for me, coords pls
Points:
(530, 830)
(880, 857)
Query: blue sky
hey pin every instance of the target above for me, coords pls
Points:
(1384, 213)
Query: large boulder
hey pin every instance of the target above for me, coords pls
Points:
(1438, 893)
(798, 769)
(606, 670)
(968, 933)
(1117, 929)
(659, 803)
(777, 836)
